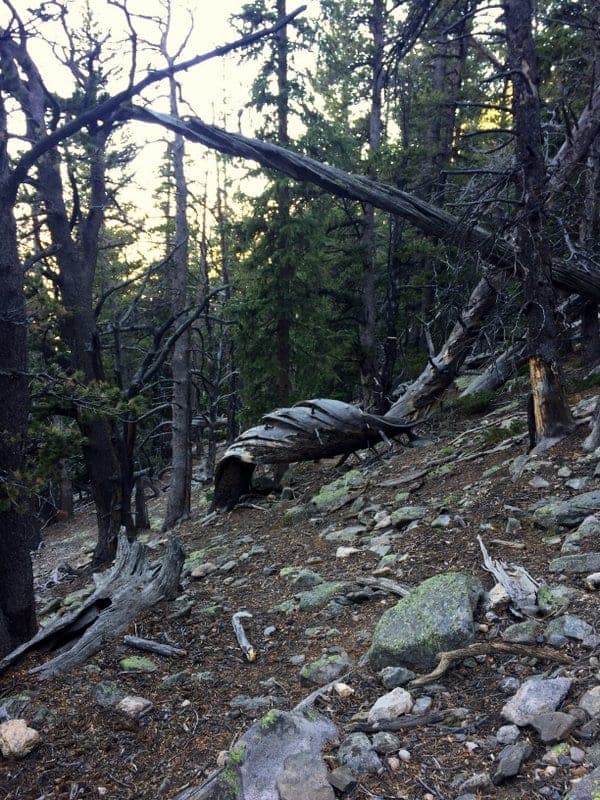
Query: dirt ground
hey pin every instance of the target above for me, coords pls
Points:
(88, 751)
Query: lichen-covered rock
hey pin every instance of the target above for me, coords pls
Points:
(356, 752)
(319, 596)
(522, 632)
(405, 514)
(554, 599)
(325, 669)
(138, 664)
(336, 492)
(567, 512)
(589, 529)
(436, 616)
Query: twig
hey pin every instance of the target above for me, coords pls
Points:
(240, 634)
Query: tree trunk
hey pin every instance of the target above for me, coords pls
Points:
(179, 498)
(550, 407)
(142, 520)
(581, 276)
(17, 605)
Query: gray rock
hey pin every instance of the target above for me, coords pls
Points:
(535, 696)
(345, 535)
(577, 484)
(384, 742)
(337, 492)
(590, 701)
(356, 752)
(342, 779)
(390, 706)
(593, 754)
(589, 528)
(436, 616)
(306, 579)
(588, 788)
(510, 760)
(560, 629)
(319, 596)
(422, 704)
(579, 562)
(108, 694)
(325, 669)
(567, 512)
(405, 514)
(480, 780)
(553, 726)
(507, 734)
(251, 704)
(304, 778)
(391, 677)
(522, 632)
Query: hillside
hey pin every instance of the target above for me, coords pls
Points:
(468, 476)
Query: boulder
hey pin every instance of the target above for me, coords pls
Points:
(436, 616)
(569, 512)
(17, 740)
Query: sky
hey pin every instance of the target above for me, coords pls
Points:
(217, 90)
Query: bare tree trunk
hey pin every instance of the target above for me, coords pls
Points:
(17, 605)
(178, 502)
(550, 407)
(370, 384)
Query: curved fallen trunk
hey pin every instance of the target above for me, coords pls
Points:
(310, 430)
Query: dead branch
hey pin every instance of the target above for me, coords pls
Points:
(240, 634)
(151, 646)
(484, 649)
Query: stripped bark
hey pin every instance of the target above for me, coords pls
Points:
(310, 430)
(131, 586)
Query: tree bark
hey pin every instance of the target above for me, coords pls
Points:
(179, 498)
(550, 407)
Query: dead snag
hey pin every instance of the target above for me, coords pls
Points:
(130, 587)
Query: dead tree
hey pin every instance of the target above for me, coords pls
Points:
(131, 586)
(310, 430)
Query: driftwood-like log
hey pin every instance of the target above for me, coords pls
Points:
(310, 430)
(240, 634)
(131, 586)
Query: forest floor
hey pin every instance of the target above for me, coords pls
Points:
(90, 751)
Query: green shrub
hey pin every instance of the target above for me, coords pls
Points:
(475, 403)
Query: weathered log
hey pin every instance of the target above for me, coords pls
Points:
(310, 430)
(499, 370)
(150, 646)
(131, 586)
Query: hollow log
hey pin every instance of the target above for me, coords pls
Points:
(310, 430)
(130, 587)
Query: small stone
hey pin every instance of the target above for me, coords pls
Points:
(590, 701)
(391, 677)
(133, 706)
(537, 482)
(342, 779)
(17, 740)
(404, 755)
(564, 472)
(346, 552)
(228, 566)
(553, 726)
(390, 706)
(510, 760)
(422, 704)
(507, 734)
(577, 755)
(480, 780)
(443, 521)
(522, 632)
(202, 570)
(497, 599)
(356, 753)
(384, 742)
(343, 690)
(393, 763)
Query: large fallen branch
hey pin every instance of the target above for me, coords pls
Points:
(310, 430)
(131, 586)
(582, 276)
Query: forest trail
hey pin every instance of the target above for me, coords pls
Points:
(469, 477)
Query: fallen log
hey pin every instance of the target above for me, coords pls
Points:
(310, 430)
(131, 586)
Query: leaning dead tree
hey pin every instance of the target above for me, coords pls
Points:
(309, 430)
(131, 586)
